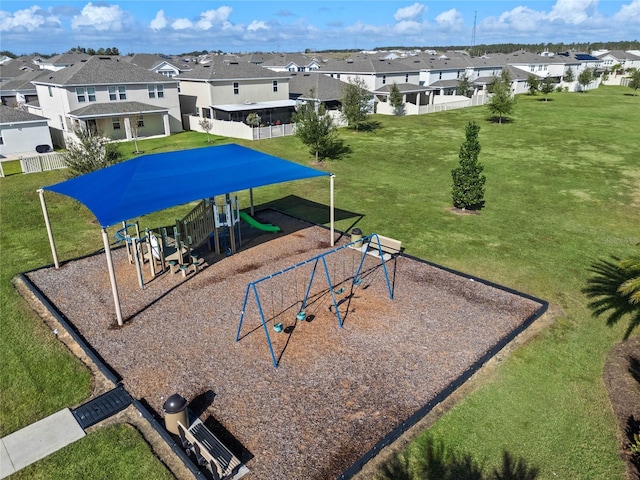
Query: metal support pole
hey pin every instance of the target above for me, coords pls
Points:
(332, 213)
(251, 201)
(49, 231)
(112, 276)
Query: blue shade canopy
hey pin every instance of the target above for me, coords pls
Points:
(155, 182)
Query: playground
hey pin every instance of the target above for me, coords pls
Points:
(356, 366)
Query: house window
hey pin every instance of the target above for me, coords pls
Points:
(140, 122)
(1, 138)
(50, 90)
(406, 78)
(206, 112)
(80, 94)
(275, 85)
(197, 111)
(384, 79)
(86, 93)
(116, 123)
(440, 76)
(61, 122)
(117, 93)
(236, 88)
(338, 76)
(155, 91)
(91, 94)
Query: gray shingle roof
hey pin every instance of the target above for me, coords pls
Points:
(405, 88)
(115, 108)
(103, 71)
(69, 58)
(229, 71)
(17, 66)
(324, 88)
(368, 66)
(15, 115)
(23, 82)
(150, 61)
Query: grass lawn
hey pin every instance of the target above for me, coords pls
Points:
(562, 192)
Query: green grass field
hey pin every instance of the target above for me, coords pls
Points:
(562, 191)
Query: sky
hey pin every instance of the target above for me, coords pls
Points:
(156, 26)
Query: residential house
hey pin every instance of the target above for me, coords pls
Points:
(17, 66)
(158, 64)
(20, 90)
(64, 60)
(626, 60)
(290, 62)
(321, 90)
(231, 91)
(21, 132)
(105, 94)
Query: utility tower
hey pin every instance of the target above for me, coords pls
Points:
(473, 33)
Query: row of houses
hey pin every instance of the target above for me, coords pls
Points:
(149, 95)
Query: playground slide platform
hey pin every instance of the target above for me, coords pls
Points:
(265, 227)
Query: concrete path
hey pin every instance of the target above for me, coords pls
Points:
(38, 440)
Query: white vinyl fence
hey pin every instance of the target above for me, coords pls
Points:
(43, 163)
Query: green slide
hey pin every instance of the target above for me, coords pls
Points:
(265, 227)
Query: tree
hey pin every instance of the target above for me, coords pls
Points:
(502, 102)
(585, 77)
(135, 123)
(316, 130)
(90, 152)
(615, 290)
(206, 125)
(634, 82)
(465, 87)
(547, 86)
(355, 103)
(253, 119)
(569, 76)
(534, 84)
(396, 100)
(468, 183)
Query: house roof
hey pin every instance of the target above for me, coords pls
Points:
(150, 61)
(619, 55)
(408, 88)
(115, 108)
(445, 83)
(17, 66)
(229, 71)
(10, 115)
(23, 82)
(324, 87)
(284, 59)
(253, 106)
(155, 182)
(368, 66)
(68, 58)
(102, 70)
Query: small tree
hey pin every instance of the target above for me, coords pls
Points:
(569, 76)
(534, 84)
(316, 130)
(135, 123)
(465, 87)
(253, 119)
(206, 125)
(355, 103)
(502, 102)
(546, 87)
(90, 152)
(634, 82)
(585, 78)
(396, 100)
(468, 183)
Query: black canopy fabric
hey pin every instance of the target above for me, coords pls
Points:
(155, 182)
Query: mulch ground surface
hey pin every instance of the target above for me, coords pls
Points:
(337, 391)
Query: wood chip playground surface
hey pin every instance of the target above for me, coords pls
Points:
(337, 392)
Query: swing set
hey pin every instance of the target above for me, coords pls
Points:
(318, 263)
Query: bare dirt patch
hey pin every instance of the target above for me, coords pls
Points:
(337, 391)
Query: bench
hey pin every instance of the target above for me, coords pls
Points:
(389, 246)
(208, 449)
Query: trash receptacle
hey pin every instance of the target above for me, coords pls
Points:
(175, 410)
(356, 236)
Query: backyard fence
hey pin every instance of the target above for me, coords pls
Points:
(43, 163)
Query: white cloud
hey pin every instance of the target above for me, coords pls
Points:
(159, 22)
(213, 17)
(629, 13)
(572, 11)
(412, 12)
(28, 19)
(181, 24)
(101, 17)
(257, 25)
(520, 19)
(408, 27)
(450, 19)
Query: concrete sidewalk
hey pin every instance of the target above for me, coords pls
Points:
(38, 440)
